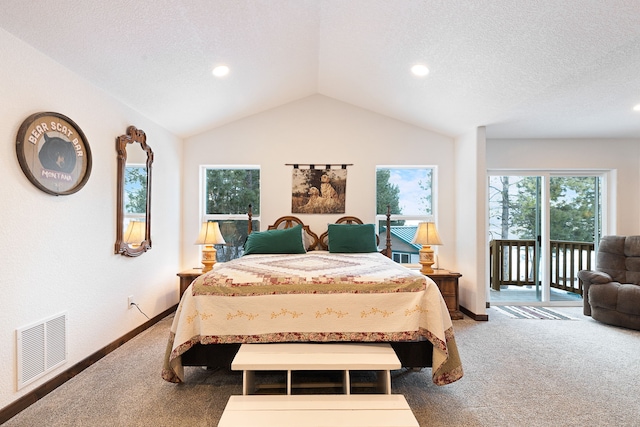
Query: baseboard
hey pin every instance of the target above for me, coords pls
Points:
(474, 316)
(33, 396)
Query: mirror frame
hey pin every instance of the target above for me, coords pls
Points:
(133, 136)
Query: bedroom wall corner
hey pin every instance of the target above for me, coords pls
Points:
(470, 214)
(58, 254)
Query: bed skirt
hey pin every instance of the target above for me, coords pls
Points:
(414, 354)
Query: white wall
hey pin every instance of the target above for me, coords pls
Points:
(620, 156)
(58, 252)
(470, 220)
(319, 130)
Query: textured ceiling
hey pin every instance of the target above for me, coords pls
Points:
(523, 68)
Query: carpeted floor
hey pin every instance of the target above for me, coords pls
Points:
(523, 372)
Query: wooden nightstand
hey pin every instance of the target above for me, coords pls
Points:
(447, 282)
(186, 277)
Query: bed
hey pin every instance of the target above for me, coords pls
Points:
(295, 286)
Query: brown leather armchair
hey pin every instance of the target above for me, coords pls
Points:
(611, 293)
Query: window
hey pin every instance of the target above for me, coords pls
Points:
(227, 193)
(409, 193)
(401, 258)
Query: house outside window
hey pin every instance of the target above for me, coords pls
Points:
(409, 191)
(227, 192)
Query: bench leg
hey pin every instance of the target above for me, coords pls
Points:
(346, 382)
(384, 381)
(248, 382)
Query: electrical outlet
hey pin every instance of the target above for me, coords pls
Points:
(130, 301)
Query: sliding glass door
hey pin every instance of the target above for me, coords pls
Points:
(542, 230)
(575, 227)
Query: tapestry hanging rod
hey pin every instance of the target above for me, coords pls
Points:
(313, 166)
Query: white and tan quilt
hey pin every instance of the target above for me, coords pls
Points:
(313, 297)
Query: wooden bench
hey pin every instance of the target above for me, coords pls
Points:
(289, 358)
(372, 410)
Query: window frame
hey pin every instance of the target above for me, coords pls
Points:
(399, 217)
(204, 216)
(434, 194)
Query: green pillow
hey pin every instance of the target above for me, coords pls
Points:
(352, 238)
(285, 241)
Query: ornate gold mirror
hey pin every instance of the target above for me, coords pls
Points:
(133, 227)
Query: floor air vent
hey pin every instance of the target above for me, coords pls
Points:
(42, 347)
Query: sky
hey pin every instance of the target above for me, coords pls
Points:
(410, 192)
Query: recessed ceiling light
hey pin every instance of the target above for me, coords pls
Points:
(636, 107)
(420, 70)
(220, 71)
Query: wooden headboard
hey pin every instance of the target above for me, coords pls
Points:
(313, 242)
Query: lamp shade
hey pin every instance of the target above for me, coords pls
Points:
(210, 234)
(135, 232)
(427, 234)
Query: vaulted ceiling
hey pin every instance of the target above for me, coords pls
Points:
(522, 68)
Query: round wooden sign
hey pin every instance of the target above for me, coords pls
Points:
(53, 153)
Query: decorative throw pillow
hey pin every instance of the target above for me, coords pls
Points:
(352, 238)
(285, 241)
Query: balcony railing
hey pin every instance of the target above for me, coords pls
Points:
(513, 263)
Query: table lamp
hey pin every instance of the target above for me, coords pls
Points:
(209, 235)
(426, 235)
